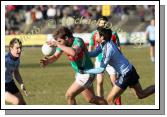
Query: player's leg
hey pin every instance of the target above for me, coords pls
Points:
(115, 92)
(72, 92)
(89, 95)
(140, 93)
(113, 76)
(100, 90)
(12, 94)
(136, 87)
(21, 99)
(152, 51)
(118, 99)
(10, 98)
(15, 99)
(99, 79)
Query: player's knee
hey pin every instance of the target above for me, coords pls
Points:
(69, 95)
(16, 101)
(140, 96)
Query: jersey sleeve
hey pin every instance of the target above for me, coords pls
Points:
(106, 57)
(105, 60)
(58, 50)
(95, 52)
(18, 64)
(94, 71)
(78, 45)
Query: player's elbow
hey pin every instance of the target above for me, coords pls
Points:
(72, 53)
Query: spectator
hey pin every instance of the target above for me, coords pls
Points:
(51, 12)
(38, 14)
(150, 35)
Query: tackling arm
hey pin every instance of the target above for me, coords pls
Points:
(103, 64)
(96, 52)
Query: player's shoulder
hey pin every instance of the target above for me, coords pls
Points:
(7, 59)
(110, 45)
(7, 56)
(78, 40)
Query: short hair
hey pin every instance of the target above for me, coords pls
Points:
(14, 41)
(62, 32)
(105, 32)
(103, 18)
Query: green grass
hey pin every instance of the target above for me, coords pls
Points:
(47, 86)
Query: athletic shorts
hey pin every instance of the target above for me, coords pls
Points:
(152, 43)
(128, 79)
(85, 80)
(110, 70)
(11, 87)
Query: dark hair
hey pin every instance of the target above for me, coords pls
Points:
(105, 32)
(103, 18)
(13, 41)
(62, 32)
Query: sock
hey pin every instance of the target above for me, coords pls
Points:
(118, 101)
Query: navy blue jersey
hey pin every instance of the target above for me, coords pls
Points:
(10, 66)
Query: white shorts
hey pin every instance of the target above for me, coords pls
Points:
(84, 80)
(110, 70)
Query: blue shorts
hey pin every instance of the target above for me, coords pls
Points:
(128, 79)
(152, 43)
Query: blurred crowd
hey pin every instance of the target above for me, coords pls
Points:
(20, 18)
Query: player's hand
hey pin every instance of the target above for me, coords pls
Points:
(55, 43)
(44, 62)
(24, 89)
(52, 43)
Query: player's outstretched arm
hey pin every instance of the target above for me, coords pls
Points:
(95, 52)
(49, 60)
(94, 71)
(68, 50)
(20, 81)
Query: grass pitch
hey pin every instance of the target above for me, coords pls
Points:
(47, 86)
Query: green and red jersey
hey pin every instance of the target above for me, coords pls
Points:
(81, 60)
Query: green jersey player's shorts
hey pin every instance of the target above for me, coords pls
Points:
(84, 80)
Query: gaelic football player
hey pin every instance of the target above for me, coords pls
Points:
(77, 53)
(127, 72)
(110, 70)
(12, 61)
